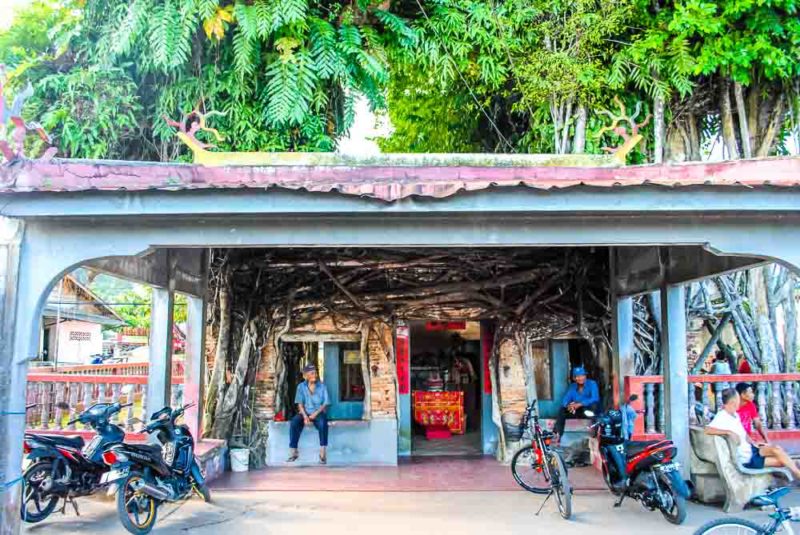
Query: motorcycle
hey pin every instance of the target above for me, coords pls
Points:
(64, 467)
(150, 475)
(644, 471)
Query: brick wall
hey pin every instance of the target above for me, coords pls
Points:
(511, 379)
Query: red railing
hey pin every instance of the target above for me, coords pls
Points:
(775, 398)
(49, 391)
(119, 368)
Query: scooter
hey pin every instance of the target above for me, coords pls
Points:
(149, 475)
(64, 467)
(644, 471)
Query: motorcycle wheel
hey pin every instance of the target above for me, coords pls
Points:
(137, 511)
(735, 526)
(561, 486)
(677, 514)
(32, 494)
(528, 473)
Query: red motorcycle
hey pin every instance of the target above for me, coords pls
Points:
(644, 471)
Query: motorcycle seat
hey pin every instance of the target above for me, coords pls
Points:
(74, 441)
(635, 447)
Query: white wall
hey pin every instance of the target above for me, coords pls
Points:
(76, 341)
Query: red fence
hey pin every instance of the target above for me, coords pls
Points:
(119, 368)
(49, 391)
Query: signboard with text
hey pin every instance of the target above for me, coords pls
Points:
(403, 361)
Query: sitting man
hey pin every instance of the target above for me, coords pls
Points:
(748, 414)
(581, 396)
(751, 454)
(312, 401)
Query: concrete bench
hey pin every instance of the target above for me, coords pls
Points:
(718, 475)
(350, 443)
(211, 456)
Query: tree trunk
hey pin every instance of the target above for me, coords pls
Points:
(753, 105)
(677, 143)
(726, 118)
(790, 331)
(694, 138)
(365, 371)
(579, 140)
(658, 127)
(565, 128)
(497, 413)
(232, 398)
(771, 132)
(771, 275)
(555, 113)
(217, 383)
(744, 131)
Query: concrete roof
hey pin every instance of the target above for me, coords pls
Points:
(388, 178)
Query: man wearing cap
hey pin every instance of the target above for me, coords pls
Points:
(312, 401)
(582, 395)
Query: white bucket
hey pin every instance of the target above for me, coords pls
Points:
(240, 459)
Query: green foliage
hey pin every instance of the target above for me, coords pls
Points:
(28, 36)
(92, 112)
(284, 72)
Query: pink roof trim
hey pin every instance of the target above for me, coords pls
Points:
(388, 183)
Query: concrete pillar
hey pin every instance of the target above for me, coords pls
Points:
(194, 364)
(676, 371)
(13, 380)
(160, 375)
(622, 338)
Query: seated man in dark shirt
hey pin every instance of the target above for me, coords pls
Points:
(581, 396)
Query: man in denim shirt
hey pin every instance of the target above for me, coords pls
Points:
(581, 396)
(312, 401)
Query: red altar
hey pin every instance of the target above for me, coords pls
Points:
(440, 409)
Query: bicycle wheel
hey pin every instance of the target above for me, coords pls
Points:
(561, 486)
(732, 526)
(528, 473)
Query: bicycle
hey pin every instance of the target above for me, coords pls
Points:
(538, 468)
(780, 518)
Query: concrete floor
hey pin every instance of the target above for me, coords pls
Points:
(386, 513)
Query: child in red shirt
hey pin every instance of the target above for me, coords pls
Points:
(748, 413)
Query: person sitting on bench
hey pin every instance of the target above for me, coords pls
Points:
(312, 401)
(752, 454)
(582, 395)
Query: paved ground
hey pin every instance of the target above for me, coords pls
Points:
(385, 513)
(415, 475)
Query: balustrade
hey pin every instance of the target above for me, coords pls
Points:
(51, 390)
(775, 399)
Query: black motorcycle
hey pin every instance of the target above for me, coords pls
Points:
(149, 475)
(644, 471)
(64, 467)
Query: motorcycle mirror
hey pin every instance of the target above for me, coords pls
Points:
(633, 398)
(62, 405)
(590, 414)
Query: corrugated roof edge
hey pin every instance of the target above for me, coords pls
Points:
(386, 182)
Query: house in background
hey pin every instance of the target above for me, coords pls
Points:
(73, 322)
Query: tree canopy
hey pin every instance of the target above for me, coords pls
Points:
(453, 75)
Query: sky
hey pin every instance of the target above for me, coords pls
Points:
(7, 8)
